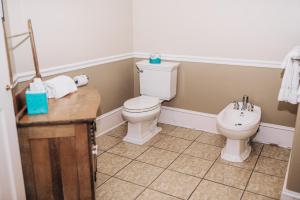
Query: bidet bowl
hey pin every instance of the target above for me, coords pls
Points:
(238, 124)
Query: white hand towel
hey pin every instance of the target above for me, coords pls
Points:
(290, 82)
(60, 86)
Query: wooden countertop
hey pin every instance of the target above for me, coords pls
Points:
(80, 106)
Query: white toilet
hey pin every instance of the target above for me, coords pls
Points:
(238, 125)
(158, 83)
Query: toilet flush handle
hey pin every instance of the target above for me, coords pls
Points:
(139, 70)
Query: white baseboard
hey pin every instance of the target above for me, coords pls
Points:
(267, 134)
(109, 121)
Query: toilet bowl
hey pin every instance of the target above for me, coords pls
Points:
(158, 83)
(238, 126)
(142, 115)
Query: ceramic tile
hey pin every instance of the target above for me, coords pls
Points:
(175, 184)
(251, 196)
(101, 178)
(173, 144)
(191, 165)
(106, 142)
(256, 147)
(276, 152)
(154, 195)
(271, 166)
(115, 189)
(110, 164)
(212, 139)
(155, 139)
(128, 150)
(249, 163)
(185, 133)
(166, 128)
(267, 185)
(120, 131)
(139, 173)
(204, 151)
(229, 175)
(208, 190)
(158, 157)
(99, 152)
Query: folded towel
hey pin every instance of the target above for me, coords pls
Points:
(60, 86)
(289, 91)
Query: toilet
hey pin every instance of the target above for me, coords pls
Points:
(238, 125)
(158, 83)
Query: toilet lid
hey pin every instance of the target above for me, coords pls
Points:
(141, 103)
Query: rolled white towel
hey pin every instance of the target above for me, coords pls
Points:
(60, 86)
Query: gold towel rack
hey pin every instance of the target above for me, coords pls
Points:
(19, 94)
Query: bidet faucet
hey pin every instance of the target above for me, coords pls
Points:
(236, 105)
(245, 102)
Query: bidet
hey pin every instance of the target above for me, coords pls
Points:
(238, 125)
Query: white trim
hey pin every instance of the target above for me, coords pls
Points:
(24, 76)
(267, 134)
(215, 60)
(287, 194)
(109, 121)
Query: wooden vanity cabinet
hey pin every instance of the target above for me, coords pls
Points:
(57, 148)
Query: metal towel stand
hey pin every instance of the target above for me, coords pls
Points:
(19, 96)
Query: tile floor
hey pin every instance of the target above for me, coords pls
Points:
(181, 163)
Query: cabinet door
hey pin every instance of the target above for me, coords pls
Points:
(57, 162)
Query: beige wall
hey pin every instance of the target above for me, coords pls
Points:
(293, 182)
(256, 29)
(71, 31)
(210, 87)
(114, 81)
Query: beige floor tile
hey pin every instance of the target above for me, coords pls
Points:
(229, 175)
(120, 131)
(106, 142)
(155, 139)
(166, 128)
(249, 163)
(272, 151)
(204, 151)
(212, 139)
(185, 133)
(173, 144)
(256, 147)
(251, 196)
(271, 166)
(208, 190)
(115, 189)
(191, 165)
(128, 150)
(175, 184)
(110, 164)
(158, 157)
(101, 178)
(267, 185)
(99, 152)
(154, 195)
(139, 173)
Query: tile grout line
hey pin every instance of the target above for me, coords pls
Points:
(252, 172)
(179, 154)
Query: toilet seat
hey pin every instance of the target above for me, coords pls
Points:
(141, 104)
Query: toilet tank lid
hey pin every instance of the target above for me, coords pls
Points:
(163, 66)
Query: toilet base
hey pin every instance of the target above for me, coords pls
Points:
(140, 133)
(236, 150)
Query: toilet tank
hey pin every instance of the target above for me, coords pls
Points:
(158, 80)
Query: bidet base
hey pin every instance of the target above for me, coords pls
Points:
(140, 133)
(236, 150)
